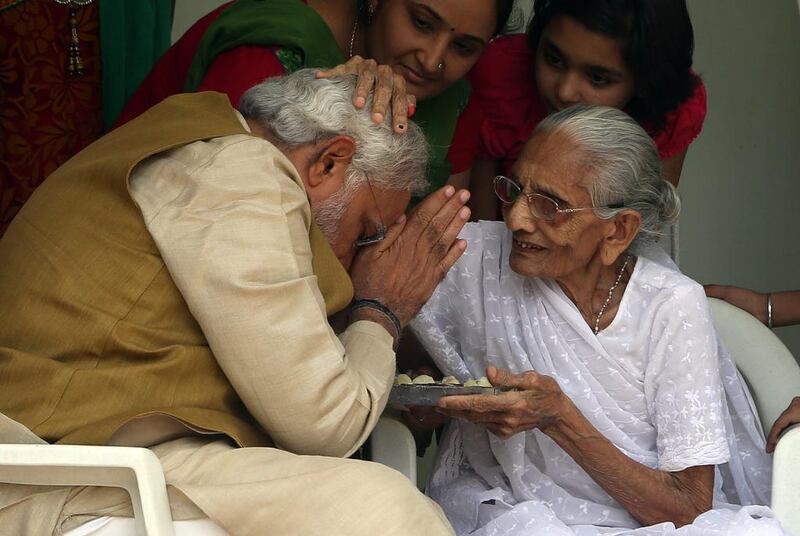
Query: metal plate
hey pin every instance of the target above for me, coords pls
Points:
(410, 394)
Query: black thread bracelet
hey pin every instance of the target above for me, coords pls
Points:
(378, 306)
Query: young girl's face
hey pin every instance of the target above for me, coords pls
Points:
(577, 66)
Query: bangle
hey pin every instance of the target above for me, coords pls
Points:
(378, 306)
(769, 310)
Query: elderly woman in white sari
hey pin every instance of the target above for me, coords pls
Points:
(624, 414)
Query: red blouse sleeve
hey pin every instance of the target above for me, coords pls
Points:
(683, 124)
(504, 86)
(237, 70)
(465, 142)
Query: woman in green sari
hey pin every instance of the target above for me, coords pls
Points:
(420, 47)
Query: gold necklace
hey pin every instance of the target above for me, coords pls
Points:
(610, 293)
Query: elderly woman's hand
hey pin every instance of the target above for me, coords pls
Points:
(388, 87)
(535, 401)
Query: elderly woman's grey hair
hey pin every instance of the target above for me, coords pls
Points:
(300, 109)
(626, 168)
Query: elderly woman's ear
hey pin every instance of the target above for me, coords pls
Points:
(622, 229)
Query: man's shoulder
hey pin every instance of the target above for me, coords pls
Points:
(213, 170)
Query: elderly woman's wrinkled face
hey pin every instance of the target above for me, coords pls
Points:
(555, 166)
(430, 43)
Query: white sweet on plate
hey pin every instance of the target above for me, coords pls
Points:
(402, 379)
(423, 379)
(482, 382)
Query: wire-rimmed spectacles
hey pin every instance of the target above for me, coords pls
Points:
(541, 206)
(380, 232)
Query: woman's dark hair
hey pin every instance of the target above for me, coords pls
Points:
(503, 12)
(657, 39)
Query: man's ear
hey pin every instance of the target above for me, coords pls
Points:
(328, 168)
(622, 230)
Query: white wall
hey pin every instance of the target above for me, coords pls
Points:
(741, 182)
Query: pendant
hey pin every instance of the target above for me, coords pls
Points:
(74, 60)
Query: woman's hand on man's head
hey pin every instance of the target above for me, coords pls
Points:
(532, 401)
(387, 88)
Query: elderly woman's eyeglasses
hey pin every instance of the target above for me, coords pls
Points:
(380, 232)
(541, 206)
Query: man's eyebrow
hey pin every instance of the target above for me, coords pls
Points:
(433, 14)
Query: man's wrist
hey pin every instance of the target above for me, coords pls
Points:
(372, 315)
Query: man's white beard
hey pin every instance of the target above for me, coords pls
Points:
(329, 212)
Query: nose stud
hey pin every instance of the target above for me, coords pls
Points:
(440, 66)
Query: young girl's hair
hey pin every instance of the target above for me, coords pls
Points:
(657, 39)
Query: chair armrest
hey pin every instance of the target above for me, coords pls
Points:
(137, 470)
(786, 479)
(393, 445)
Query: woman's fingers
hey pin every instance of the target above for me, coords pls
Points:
(400, 108)
(779, 426)
(476, 403)
(350, 67)
(384, 87)
(790, 416)
(412, 105)
(503, 378)
(367, 73)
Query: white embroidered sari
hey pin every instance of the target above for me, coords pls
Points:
(655, 382)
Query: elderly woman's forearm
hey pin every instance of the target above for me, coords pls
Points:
(649, 495)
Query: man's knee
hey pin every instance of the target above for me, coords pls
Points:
(402, 508)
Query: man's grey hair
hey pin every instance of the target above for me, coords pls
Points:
(300, 109)
(625, 165)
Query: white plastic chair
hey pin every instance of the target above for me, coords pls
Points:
(770, 371)
(773, 375)
(27, 459)
(392, 444)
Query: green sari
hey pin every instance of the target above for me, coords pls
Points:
(296, 27)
